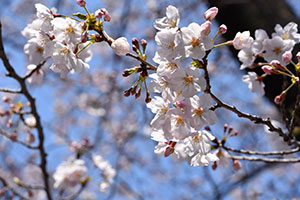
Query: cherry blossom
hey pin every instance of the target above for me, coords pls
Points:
(196, 43)
(69, 173)
(170, 21)
(254, 84)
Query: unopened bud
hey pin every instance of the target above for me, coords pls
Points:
(99, 13)
(180, 104)
(84, 37)
(287, 56)
(237, 165)
(120, 46)
(138, 94)
(205, 28)
(135, 42)
(81, 3)
(211, 13)
(225, 127)
(148, 98)
(223, 29)
(279, 98)
(85, 142)
(13, 136)
(30, 138)
(269, 70)
(207, 128)
(277, 64)
(5, 99)
(298, 55)
(230, 129)
(3, 191)
(169, 150)
(214, 165)
(143, 44)
(235, 133)
(127, 92)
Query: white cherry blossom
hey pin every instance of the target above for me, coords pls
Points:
(199, 111)
(290, 31)
(242, 40)
(196, 43)
(188, 81)
(275, 47)
(254, 84)
(170, 21)
(69, 173)
(199, 148)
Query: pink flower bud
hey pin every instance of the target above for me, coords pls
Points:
(81, 3)
(120, 46)
(287, 56)
(14, 136)
(180, 104)
(214, 165)
(223, 28)
(298, 55)
(269, 70)
(237, 165)
(99, 13)
(205, 28)
(277, 64)
(29, 138)
(278, 99)
(5, 99)
(211, 13)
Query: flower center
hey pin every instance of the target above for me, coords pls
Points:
(277, 50)
(188, 79)
(65, 51)
(172, 65)
(179, 121)
(197, 138)
(164, 110)
(70, 29)
(195, 42)
(171, 45)
(285, 36)
(199, 111)
(39, 49)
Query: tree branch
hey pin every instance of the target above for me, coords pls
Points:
(267, 160)
(284, 152)
(4, 182)
(12, 73)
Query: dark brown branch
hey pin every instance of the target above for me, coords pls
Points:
(12, 73)
(254, 118)
(10, 91)
(38, 67)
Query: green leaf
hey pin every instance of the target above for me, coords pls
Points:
(80, 15)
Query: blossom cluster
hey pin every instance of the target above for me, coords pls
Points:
(52, 36)
(180, 112)
(275, 50)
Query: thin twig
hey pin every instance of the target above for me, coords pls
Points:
(13, 190)
(283, 152)
(254, 118)
(10, 91)
(12, 73)
(7, 135)
(267, 160)
(34, 70)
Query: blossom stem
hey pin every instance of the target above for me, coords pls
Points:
(86, 10)
(83, 48)
(71, 18)
(221, 44)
